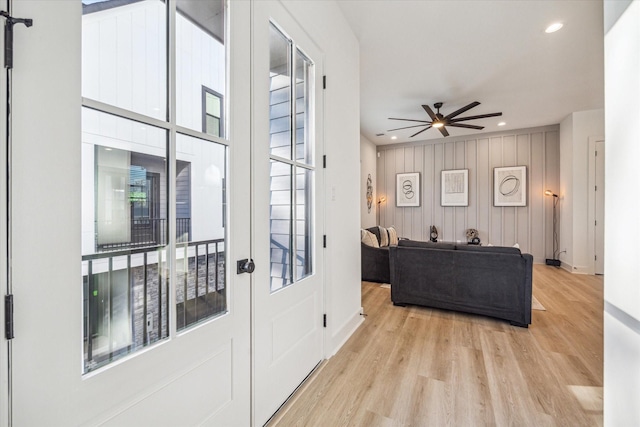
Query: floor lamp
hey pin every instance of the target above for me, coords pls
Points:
(554, 261)
(381, 200)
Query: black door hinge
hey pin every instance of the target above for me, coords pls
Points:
(324, 161)
(324, 82)
(8, 36)
(324, 320)
(8, 316)
(324, 240)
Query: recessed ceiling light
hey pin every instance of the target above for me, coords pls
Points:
(394, 137)
(553, 27)
(502, 123)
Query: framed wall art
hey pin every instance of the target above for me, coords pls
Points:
(455, 188)
(408, 189)
(510, 186)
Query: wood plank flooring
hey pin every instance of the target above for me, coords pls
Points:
(415, 366)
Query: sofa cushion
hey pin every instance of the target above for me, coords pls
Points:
(393, 236)
(429, 245)
(368, 238)
(376, 232)
(491, 249)
(383, 237)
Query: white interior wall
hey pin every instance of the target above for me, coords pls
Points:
(530, 226)
(326, 25)
(368, 152)
(585, 124)
(575, 131)
(565, 193)
(622, 220)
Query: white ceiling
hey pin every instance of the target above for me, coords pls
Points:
(492, 51)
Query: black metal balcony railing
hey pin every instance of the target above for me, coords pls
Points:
(126, 301)
(144, 232)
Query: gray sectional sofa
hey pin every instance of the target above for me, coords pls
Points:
(492, 281)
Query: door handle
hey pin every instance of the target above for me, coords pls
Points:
(245, 266)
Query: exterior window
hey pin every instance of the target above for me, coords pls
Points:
(212, 112)
(292, 169)
(129, 240)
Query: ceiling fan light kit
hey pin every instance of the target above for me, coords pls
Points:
(440, 122)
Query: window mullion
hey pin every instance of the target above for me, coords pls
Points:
(171, 163)
(294, 192)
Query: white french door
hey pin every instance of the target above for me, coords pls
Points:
(288, 294)
(117, 183)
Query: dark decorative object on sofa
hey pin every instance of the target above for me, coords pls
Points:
(375, 261)
(492, 281)
(433, 234)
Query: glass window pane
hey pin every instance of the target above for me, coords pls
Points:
(124, 234)
(304, 146)
(200, 253)
(200, 60)
(213, 126)
(124, 61)
(304, 223)
(280, 94)
(280, 225)
(213, 105)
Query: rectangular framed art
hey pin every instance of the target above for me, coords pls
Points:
(510, 186)
(455, 188)
(408, 189)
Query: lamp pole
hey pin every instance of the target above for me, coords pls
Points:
(554, 261)
(381, 200)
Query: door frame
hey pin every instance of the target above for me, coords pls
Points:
(591, 214)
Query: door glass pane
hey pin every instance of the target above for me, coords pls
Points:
(200, 252)
(280, 219)
(124, 59)
(303, 78)
(280, 94)
(200, 63)
(124, 235)
(304, 232)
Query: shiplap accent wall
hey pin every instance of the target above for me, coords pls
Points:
(530, 226)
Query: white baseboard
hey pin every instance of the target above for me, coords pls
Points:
(574, 269)
(344, 332)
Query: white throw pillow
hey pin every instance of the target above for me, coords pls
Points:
(393, 236)
(384, 237)
(368, 238)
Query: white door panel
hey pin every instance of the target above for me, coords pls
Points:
(198, 376)
(288, 289)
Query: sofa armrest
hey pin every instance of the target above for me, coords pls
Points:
(374, 264)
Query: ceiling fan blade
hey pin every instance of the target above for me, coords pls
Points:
(460, 125)
(443, 131)
(430, 112)
(428, 127)
(481, 116)
(462, 110)
(410, 120)
(407, 127)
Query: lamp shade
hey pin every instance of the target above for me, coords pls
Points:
(550, 193)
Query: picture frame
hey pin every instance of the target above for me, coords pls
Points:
(454, 187)
(408, 189)
(510, 186)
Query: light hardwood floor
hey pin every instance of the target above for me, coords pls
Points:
(415, 366)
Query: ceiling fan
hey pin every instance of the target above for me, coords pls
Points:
(439, 121)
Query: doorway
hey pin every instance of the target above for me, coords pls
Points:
(596, 204)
